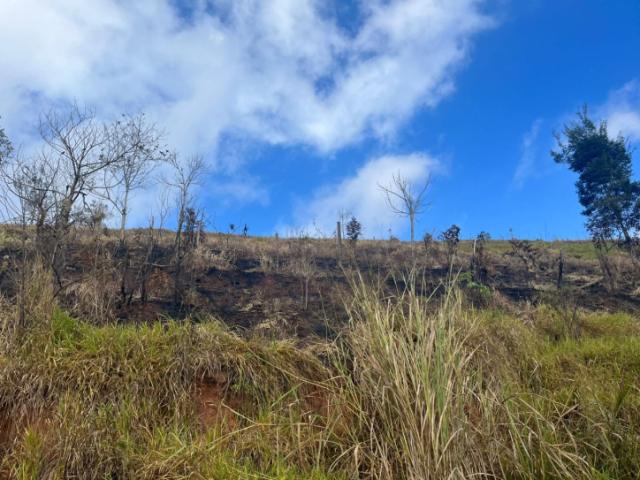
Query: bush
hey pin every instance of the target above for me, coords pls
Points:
(354, 229)
(451, 239)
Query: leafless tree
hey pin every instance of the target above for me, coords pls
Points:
(28, 185)
(15, 207)
(77, 150)
(25, 184)
(25, 196)
(134, 144)
(186, 175)
(154, 231)
(59, 185)
(405, 199)
(71, 163)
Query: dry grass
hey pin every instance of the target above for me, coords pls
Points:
(411, 389)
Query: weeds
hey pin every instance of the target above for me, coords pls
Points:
(413, 388)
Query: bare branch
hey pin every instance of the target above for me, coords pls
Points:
(403, 200)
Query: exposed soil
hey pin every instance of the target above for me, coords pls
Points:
(215, 404)
(255, 284)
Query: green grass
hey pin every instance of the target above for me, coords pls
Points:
(580, 249)
(409, 390)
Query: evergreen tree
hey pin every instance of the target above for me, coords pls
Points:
(354, 229)
(607, 193)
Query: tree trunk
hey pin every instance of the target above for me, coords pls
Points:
(608, 271)
(22, 317)
(178, 259)
(412, 220)
(123, 216)
(560, 270)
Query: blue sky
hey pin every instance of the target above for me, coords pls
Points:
(302, 107)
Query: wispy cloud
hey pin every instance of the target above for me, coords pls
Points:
(360, 196)
(622, 111)
(238, 191)
(278, 71)
(526, 164)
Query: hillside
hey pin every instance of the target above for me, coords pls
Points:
(413, 388)
(297, 286)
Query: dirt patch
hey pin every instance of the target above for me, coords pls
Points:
(11, 430)
(7, 432)
(316, 402)
(218, 406)
(215, 404)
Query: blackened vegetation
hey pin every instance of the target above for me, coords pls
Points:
(479, 268)
(56, 204)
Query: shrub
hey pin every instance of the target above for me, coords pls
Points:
(451, 239)
(354, 229)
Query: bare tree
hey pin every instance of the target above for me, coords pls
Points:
(151, 251)
(186, 175)
(405, 200)
(59, 185)
(134, 144)
(24, 187)
(74, 157)
(15, 208)
(77, 144)
(28, 184)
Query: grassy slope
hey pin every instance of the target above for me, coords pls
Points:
(403, 394)
(580, 249)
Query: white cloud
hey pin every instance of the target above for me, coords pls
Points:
(360, 196)
(279, 71)
(622, 111)
(238, 191)
(526, 164)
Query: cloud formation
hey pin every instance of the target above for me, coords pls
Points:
(526, 164)
(278, 71)
(361, 196)
(622, 111)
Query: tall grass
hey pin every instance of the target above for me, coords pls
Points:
(431, 393)
(410, 388)
(414, 388)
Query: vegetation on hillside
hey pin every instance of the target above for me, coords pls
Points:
(413, 388)
(161, 354)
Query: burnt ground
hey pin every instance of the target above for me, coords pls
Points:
(258, 284)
